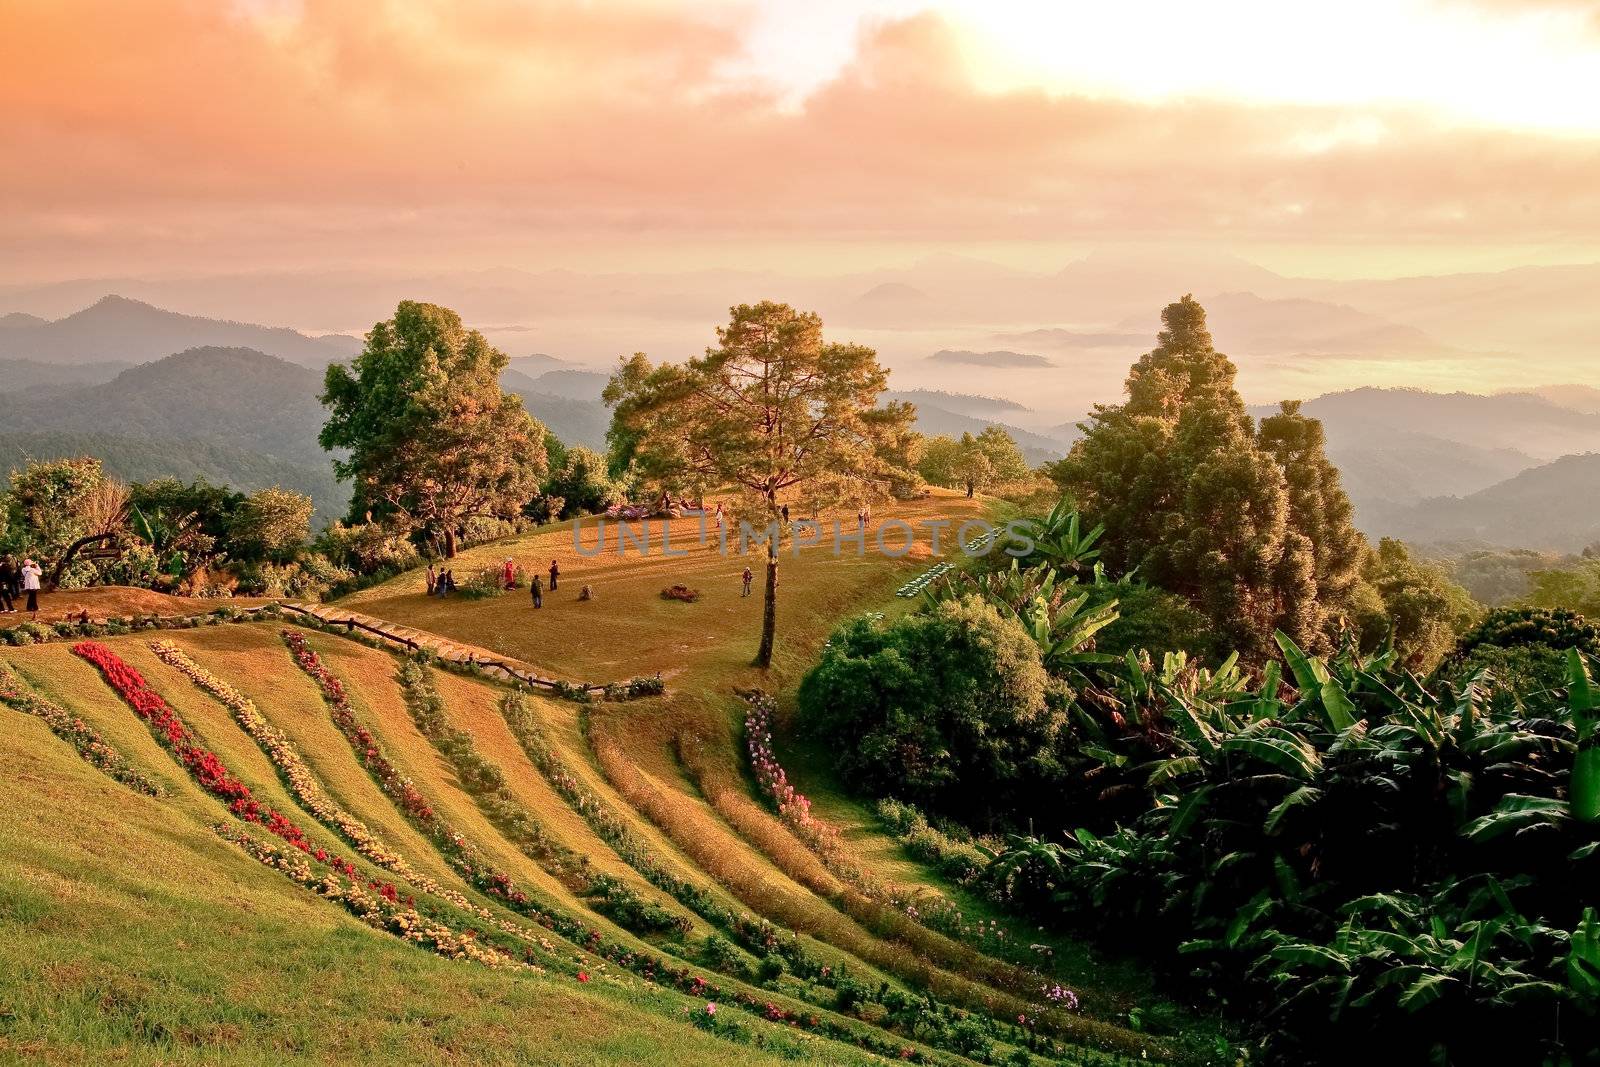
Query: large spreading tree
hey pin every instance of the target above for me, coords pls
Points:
(773, 409)
(1252, 526)
(432, 439)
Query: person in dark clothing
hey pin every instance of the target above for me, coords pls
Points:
(555, 572)
(748, 578)
(447, 583)
(786, 514)
(8, 581)
(536, 590)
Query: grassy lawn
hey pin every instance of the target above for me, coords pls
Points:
(132, 904)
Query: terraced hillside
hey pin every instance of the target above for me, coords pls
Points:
(265, 841)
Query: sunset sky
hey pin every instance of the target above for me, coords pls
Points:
(1368, 137)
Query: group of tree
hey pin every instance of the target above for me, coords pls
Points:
(1249, 523)
(973, 463)
(1354, 856)
(161, 533)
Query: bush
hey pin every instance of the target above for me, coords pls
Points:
(486, 583)
(680, 592)
(951, 708)
(1524, 648)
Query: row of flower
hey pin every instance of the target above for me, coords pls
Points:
(374, 636)
(95, 749)
(464, 857)
(298, 777)
(34, 633)
(923, 580)
(931, 909)
(794, 807)
(205, 766)
(486, 785)
(380, 910)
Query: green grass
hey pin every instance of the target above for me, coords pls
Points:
(142, 937)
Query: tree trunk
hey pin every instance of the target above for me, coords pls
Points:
(449, 542)
(769, 614)
(54, 579)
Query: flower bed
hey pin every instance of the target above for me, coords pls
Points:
(77, 733)
(380, 910)
(202, 764)
(298, 777)
(486, 785)
(464, 857)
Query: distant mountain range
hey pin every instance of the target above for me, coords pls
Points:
(116, 330)
(961, 403)
(1000, 358)
(1550, 507)
(1424, 465)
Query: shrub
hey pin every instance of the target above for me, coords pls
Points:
(486, 583)
(951, 707)
(680, 592)
(1524, 648)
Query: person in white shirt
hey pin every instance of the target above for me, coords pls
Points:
(30, 584)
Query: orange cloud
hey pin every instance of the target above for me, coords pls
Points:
(191, 133)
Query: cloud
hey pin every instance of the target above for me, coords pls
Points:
(199, 131)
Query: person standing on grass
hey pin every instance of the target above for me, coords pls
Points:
(536, 590)
(433, 579)
(30, 584)
(8, 578)
(748, 578)
(555, 574)
(508, 574)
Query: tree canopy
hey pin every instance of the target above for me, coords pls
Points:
(1251, 526)
(431, 436)
(773, 409)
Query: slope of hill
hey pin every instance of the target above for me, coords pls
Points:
(27, 375)
(138, 459)
(575, 422)
(239, 396)
(1036, 448)
(116, 329)
(619, 851)
(960, 403)
(1584, 398)
(1516, 421)
(1550, 507)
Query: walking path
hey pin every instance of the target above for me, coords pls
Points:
(507, 668)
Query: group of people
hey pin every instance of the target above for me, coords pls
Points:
(441, 583)
(536, 588)
(17, 582)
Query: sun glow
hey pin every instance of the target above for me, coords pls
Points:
(1531, 66)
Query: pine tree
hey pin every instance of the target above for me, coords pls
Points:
(1320, 515)
(1202, 505)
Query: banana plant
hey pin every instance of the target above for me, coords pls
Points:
(1059, 540)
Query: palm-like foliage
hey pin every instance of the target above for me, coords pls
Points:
(1059, 540)
(1403, 859)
